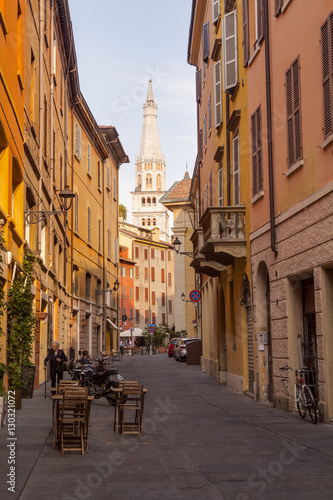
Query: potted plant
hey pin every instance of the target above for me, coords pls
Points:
(161, 333)
(21, 325)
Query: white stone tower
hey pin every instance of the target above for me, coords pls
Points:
(147, 211)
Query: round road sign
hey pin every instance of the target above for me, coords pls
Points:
(151, 329)
(195, 295)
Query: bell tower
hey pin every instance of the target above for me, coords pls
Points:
(147, 211)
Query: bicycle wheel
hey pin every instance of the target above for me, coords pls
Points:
(311, 404)
(301, 401)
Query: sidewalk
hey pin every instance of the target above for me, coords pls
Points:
(201, 441)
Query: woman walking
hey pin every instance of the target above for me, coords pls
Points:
(56, 357)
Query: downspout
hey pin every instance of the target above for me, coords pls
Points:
(105, 243)
(269, 129)
(41, 115)
(52, 151)
(228, 148)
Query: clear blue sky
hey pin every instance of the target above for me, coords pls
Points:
(119, 46)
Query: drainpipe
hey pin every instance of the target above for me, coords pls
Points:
(41, 116)
(52, 152)
(269, 129)
(228, 148)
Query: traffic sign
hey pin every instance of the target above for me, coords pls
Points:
(151, 325)
(195, 295)
(124, 317)
(151, 329)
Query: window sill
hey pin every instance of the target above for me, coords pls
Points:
(294, 167)
(327, 141)
(89, 174)
(20, 81)
(107, 188)
(99, 189)
(257, 197)
(77, 157)
(219, 128)
(254, 55)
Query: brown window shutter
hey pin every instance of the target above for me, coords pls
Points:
(257, 168)
(327, 58)
(153, 298)
(294, 129)
(254, 154)
(146, 294)
(297, 111)
(259, 151)
(277, 7)
(260, 20)
(246, 44)
(198, 85)
(137, 293)
(200, 145)
(205, 42)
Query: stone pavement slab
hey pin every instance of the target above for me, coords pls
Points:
(201, 441)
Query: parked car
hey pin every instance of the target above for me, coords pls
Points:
(181, 349)
(171, 347)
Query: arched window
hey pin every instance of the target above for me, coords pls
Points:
(143, 222)
(17, 191)
(149, 181)
(143, 201)
(154, 222)
(148, 201)
(158, 182)
(139, 182)
(148, 222)
(154, 201)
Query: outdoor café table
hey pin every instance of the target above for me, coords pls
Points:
(56, 400)
(118, 391)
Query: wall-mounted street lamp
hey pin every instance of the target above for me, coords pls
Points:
(176, 246)
(35, 216)
(114, 289)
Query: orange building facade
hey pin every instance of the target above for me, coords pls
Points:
(291, 141)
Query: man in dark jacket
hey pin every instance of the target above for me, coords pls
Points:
(57, 357)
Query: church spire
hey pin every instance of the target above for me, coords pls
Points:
(150, 148)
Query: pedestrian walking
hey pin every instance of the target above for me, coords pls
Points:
(56, 357)
(148, 348)
(121, 345)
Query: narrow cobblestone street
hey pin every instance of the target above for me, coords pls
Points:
(201, 441)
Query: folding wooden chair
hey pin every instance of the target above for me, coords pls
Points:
(73, 416)
(131, 404)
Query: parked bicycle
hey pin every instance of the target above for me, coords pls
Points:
(303, 395)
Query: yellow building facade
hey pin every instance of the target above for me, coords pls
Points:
(220, 189)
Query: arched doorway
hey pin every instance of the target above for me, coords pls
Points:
(263, 329)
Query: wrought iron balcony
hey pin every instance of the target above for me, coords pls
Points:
(221, 239)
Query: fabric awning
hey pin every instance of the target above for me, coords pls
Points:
(112, 324)
(137, 332)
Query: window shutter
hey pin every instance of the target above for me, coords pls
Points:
(294, 131)
(259, 150)
(257, 171)
(236, 171)
(211, 188)
(277, 6)
(216, 10)
(229, 44)
(217, 94)
(209, 112)
(246, 44)
(76, 212)
(200, 146)
(99, 174)
(89, 225)
(116, 249)
(327, 58)
(260, 19)
(205, 41)
(99, 235)
(220, 180)
(137, 293)
(77, 139)
(79, 143)
(205, 129)
(198, 85)
(89, 158)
